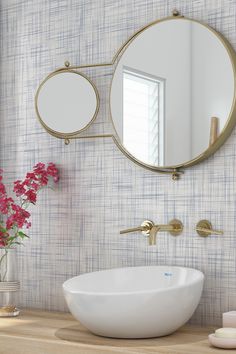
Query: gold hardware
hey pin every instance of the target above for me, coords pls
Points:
(177, 227)
(175, 12)
(67, 64)
(153, 235)
(213, 130)
(93, 136)
(145, 228)
(67, 141)
(176, 174)
(204, 229)
(148, 228)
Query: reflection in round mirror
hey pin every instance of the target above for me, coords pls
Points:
(172, 93)
(66, 103)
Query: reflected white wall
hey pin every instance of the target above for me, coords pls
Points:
(212, 86)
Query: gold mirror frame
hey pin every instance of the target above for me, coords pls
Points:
(173, 170)
(229, 125)
(55, 133)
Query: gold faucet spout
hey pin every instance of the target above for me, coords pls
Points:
(148, 228)
(153, 235)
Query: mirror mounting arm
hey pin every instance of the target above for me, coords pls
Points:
(175, 173)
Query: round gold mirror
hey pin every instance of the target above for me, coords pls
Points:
(172, 96)
(66, 103)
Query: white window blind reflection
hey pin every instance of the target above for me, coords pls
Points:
(143, 116)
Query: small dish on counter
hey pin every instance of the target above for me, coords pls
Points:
(221, 342)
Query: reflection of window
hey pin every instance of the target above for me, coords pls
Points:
(143, 116)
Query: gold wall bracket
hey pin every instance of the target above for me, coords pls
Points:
(204, 229)
(174, 172)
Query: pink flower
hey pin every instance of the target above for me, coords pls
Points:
(31, 196)
(53, 171)
(5, 204)
(28, 224)
(19, 188)
(35, 186)
(2, 188)
(10, 222)
(43, 179)
(18, 218)
(39, 168)
(3, 238)
(27, 189)
(31, 176)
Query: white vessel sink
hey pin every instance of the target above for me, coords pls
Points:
(135, 302)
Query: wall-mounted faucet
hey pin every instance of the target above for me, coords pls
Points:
(204, 229)
(148, 228)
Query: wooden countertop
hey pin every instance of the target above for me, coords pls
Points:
(37, 332)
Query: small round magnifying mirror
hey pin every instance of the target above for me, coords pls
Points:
(67, 102)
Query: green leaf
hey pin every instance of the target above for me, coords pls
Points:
(12, 238)
(21, 234)
(3, 229)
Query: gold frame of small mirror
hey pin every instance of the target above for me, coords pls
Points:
(55, 133)
(175, 171)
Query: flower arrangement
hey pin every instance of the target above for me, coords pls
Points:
(14, 218)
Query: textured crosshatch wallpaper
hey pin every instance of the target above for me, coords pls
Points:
(76, 227)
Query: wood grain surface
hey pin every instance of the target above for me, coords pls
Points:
(37, 332)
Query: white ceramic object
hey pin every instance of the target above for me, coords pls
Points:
(224, 343)
(229, 319)
(226, 332)
(135, 302)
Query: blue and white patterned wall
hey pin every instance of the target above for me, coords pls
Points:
(76, 228)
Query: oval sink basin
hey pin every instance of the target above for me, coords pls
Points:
(135, 302)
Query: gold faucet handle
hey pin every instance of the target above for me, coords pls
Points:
(133, 229)
(145, 228)
(209, 232)
(204, 229)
